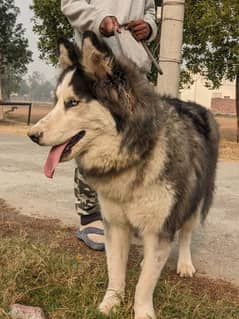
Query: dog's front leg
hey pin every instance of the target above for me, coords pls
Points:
(156, 252)
(117, 242)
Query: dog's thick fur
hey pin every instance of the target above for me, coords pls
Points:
(152, 161)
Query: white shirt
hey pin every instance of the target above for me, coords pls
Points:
(86, 15)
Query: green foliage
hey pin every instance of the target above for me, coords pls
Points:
(158, 3)
(23, 88)
(211, 40)
(36, 87)
(14, 55)
(10, 81)
(40, 89)
(154, 48)
(50, 24)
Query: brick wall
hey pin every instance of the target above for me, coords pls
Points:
(223, 105)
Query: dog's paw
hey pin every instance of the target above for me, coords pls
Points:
(185, 269)
(109, 303)
(144, 313)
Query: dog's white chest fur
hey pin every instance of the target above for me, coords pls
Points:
(142, 207)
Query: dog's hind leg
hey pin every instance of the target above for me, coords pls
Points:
(117, 242)
(185, 266)
(156, 252)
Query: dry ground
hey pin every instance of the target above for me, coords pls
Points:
(14, 123)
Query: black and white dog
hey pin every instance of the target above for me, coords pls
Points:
(152, 161)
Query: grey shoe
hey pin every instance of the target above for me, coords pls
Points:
(83, 235)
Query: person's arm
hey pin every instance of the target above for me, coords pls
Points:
(150, 18)
(83, 16)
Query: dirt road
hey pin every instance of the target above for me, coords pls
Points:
(23, 185)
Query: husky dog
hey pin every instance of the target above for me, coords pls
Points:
(151, 159)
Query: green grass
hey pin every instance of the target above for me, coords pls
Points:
(66, 284)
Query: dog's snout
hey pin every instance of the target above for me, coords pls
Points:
(35, 137)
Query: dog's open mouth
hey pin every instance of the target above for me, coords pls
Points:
(59, 152)
(73, 141)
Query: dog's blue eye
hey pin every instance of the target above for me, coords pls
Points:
(71, 103)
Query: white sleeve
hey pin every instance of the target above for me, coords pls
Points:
(150, 18)
(82, 15)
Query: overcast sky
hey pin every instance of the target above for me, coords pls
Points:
(25, 18)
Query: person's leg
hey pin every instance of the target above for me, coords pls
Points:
(86, 202)
(87, 206)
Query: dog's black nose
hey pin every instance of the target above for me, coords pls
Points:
(35, 137)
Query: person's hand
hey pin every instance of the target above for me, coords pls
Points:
(140, 29)
(108, 25)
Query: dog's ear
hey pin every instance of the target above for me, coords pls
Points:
(67, 53)
(97, 58)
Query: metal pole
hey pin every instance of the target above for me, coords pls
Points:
(29, 114)
(170, 47)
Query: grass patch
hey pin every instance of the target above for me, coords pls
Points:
(42, 264)
(62, 283)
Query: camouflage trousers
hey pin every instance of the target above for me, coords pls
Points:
(86, 201)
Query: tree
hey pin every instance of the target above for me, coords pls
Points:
(14, 55)
(50, 24)
(211, 39)
(36, 87)
(24, 88)
(211, 42)
(39, 88)
(10, 81)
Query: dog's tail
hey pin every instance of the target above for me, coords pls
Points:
(213, 147)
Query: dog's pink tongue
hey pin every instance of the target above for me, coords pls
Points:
(53, 159)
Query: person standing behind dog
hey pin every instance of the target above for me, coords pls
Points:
(103, 17)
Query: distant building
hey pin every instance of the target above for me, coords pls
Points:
(224, 105)
(209, 98)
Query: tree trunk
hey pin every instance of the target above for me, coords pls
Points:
(237, 105)
(1, 106)
(0, 87)
(170, 47)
